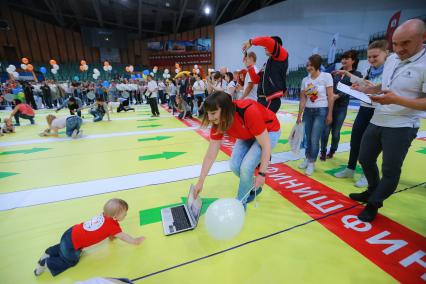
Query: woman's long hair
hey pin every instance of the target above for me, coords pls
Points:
(219, 100)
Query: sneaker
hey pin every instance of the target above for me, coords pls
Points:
(74, 133)
(253, 194)
(330, 155)
(323, 157)
(368, 214)
(362, 182)
(304, 164)
(43, 257)
(310, 169)
(80, 134)
(17, 124)
(41, 267)
(360, 197)
(346, 173)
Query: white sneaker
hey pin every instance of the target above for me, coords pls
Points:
(362, 182)
(80, 133)
(346, 173)
(310, 169)
(74, 133)
(304, 164)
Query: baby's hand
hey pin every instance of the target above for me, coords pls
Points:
(140, 240)
(112, 238)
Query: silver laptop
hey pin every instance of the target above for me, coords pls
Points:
(183, 217)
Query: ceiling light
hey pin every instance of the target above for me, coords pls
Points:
(207, 10)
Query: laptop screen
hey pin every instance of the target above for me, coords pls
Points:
(194, 205)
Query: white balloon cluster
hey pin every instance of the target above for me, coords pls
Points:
(55, 68)
(166, 74)
(197, 70)
(96, 73)
(131, 68)
(211, 70)
(127, 87)
(11, 69)
(155, 69)
(107, 68)
(85, 67)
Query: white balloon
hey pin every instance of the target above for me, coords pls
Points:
(105, 68)
(15, 74)
(95, 76)
(168, 76)
(131, 68)
(54, 71)
(56, 67)
(86, 67)
(12, 67)
(166, 71)
(109, 67)
(164, 75)
(195, 66)
(23, 66)
(96, 71)
(10, 71)
(176, 71)
(225, 218)
(197, 71)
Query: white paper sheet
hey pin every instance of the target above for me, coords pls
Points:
(354, 93)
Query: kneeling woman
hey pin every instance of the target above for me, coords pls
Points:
(257, 131)
(71, 123)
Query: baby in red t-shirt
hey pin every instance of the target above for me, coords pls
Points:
(67, 253)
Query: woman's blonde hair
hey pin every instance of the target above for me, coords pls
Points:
(50, 118)
(227, 110)
(115, 206)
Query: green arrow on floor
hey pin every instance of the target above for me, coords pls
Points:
(157, 138)
(153, 215)
(150, 126)
(149, 119)
(164, 155)
(6, 174)
(25, 151)
(346, 132)
(331, 172)
(283, 141)
(423, 151)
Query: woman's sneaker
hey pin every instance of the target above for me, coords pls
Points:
(362, 182)
(346, 173)
(310, 169)
(41, 267)
(304, 164)
(323, 156)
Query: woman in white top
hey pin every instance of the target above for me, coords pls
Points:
(376, 53)
(316, 105)
(71, 123)
(152, 94)
(199, 89)
(172, 94)
(230, 85)
(216, 84)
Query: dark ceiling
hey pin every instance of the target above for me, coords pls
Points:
(140, 18)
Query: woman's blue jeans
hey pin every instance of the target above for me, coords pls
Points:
(245, 157)
(314, 120)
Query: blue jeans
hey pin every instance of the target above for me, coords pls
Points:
(199, 98)
(314, 119)
(19, 114)
(97, 115)
(63, 255)
(339, 115)
(72, 123)
(245, 157)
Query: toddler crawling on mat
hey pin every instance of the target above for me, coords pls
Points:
(66, 254)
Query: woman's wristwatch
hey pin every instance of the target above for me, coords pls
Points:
(261, 174)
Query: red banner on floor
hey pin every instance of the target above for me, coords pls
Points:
(396, 249)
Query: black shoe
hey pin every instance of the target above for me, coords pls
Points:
(360, 197)
(253, 194)
(323, 156)
(368, 214)
(330, 155)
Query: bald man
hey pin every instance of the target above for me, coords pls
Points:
(396, 120)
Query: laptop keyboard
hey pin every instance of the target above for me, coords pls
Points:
(180, 218)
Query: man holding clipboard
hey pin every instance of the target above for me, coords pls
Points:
(395, 122)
